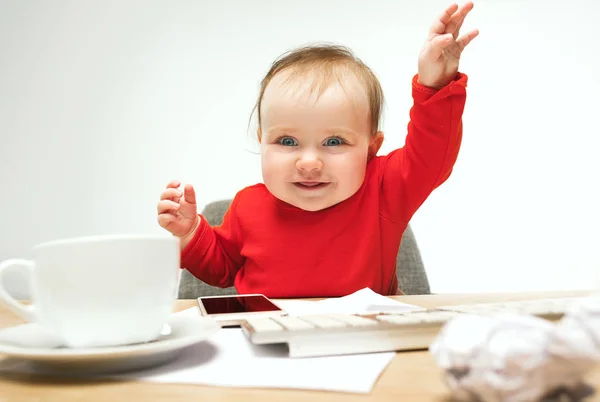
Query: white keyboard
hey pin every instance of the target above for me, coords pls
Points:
(336, 334)
(545, 308)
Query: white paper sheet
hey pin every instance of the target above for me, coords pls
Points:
(362, 301)
(228, 359)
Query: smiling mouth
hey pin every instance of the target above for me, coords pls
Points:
(310, 185)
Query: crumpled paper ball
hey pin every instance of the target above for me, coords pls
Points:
(510, 358)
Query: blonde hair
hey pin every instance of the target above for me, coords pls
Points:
(326, 63)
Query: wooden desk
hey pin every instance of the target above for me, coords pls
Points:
(411, 376)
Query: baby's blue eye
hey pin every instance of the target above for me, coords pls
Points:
(288, 142)
(332, 142)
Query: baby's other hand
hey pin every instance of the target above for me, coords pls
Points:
(438, 61)
(177, 211)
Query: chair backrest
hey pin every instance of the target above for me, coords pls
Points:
(409, 265)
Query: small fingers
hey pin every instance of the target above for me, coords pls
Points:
(457, 27)
(172, 194)
(439, 25)
(465, 39)
(437, 45)
(189, 194)
(165, 220)
(453, 26)
(174, 184)
(450, 20)
(167, 206)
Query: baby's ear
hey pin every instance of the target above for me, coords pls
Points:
(375, 144)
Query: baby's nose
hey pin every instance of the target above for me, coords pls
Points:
(309, 161)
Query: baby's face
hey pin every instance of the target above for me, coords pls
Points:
(314, 154)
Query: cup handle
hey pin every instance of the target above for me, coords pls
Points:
(26, 312)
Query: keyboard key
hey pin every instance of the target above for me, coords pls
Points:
(399, 319)
(437, 317)
(293, 323)
(322, 321)
(264, 325)
(353, 320)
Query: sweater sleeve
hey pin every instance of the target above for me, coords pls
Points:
(411, 173)
(214, 253)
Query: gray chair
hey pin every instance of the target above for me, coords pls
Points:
(409, 265)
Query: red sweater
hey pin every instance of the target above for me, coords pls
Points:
(267, 246)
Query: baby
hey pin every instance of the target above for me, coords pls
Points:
(329, 218)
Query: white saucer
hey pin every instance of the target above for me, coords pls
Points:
(39, 347)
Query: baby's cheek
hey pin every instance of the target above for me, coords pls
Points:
(352, 168)
(358, 163)
(273, 166)
(267, 166)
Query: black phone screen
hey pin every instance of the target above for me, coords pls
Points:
(237, 304)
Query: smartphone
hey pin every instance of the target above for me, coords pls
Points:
(231, 310)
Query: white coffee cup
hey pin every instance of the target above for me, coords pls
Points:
(100, 290)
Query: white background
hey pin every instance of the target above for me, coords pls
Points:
(103, 102)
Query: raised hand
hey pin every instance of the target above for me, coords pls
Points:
(438, 60)
(177, 211)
